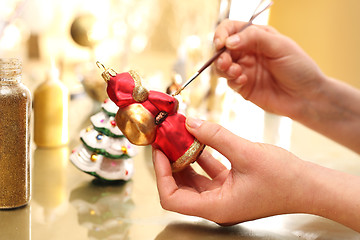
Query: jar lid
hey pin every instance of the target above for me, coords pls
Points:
(10, 68)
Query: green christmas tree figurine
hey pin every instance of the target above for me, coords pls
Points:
(105, 152)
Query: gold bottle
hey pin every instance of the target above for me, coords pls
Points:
(51, 100)
(15, 109)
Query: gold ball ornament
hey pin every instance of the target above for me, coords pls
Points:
(82, 30)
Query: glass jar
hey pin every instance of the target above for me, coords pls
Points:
(15, 110)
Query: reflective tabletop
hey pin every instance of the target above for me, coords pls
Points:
(69, 204)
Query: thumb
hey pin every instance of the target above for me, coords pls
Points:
(213, 135)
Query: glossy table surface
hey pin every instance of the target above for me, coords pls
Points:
(68, 204)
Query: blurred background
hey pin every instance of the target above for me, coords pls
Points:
(166, 42)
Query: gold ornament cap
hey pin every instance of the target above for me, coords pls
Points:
(107, 73)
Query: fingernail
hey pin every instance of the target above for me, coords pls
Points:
(194, 122)
(232, 41)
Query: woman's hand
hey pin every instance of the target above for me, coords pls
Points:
(263, 181)
(273, 72)
(267, 68)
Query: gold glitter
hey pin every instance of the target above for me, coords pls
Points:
(136, 76)
(140, 94)
(15, 107)
(189, 156)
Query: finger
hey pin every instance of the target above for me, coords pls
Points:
(188, 201)
(210, 165)
(227, 68)
(258, 39)
(234, 71)
(238, 83)
(166, 183)
(223, 62)
(184, 200)
(190, 178)
(221, 33)
(225, 29)
(211, 134)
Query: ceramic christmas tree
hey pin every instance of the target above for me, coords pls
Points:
(104, 153)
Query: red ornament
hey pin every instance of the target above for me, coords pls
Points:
(160, 124)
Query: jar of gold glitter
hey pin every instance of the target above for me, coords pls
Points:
(15, 108)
